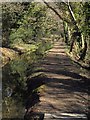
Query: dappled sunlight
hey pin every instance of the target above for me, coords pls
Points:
(62, 53)
(65, 90)
(45, 59)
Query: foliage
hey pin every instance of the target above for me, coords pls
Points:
(25, 25)
(11, 13)
(30, 29)
(75, 19)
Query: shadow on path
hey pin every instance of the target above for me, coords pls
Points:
(66, 90)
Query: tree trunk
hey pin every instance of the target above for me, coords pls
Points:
(83, 51)
(69, 35)
(75, 37)
(72, 44)
(65, 32)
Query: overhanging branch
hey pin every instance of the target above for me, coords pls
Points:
(55, 11)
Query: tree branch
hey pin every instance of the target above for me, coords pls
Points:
(72, 15)
(55, 11)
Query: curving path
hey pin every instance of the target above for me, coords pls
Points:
(66, 91)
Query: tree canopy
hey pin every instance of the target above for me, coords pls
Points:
(29, 30)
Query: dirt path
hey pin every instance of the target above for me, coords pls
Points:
(65, 95)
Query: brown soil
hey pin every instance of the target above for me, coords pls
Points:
(66, 90)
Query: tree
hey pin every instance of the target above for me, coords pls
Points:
(11, 13)
(74, 15)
